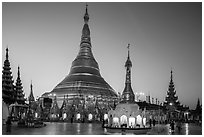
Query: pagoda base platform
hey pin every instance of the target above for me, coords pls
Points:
(125, 130)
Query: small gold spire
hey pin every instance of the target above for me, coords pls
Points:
(86, 16)
(128, 49)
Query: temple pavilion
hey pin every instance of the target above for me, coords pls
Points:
(127, 113)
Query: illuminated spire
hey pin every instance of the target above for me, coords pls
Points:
(128, 95)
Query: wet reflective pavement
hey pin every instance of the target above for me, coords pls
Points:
(186, 129)
(95, 129)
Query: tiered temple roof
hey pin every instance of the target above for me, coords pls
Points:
(171, 99)
(8, 93)
(20, 97)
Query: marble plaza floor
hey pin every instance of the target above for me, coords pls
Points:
(94, 129)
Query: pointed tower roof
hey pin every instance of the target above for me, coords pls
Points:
(31, 97)
(128, 95)
(198, 106)
(7, 53)
(8, 93)
(18, 72)
(171, 93)
(171, 81)
(128, 63)
(64, 104)
(19, 89)
(171, 89)
(84, 75)
(86, 16)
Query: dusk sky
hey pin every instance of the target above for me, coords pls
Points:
(44, 38)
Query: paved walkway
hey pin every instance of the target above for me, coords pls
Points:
(96, 129)
(187, 129)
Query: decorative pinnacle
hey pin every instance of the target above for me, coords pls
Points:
(128, 63)
(128, 50)
(86, 16)
(86, 8)
(31, 86)
(171, 75)
(7, 53)
(18, 71)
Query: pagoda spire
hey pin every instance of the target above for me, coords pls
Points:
(84, 76)
(18, 72)
(171, 83)
(8, 92)
(128, 95)
(31, 97)
(198, 106)
(19, 89)
(171, 76)
(171, 98)
(128, 66)
(85, 38)
(85, 56)
(7, 53)
(86, 16)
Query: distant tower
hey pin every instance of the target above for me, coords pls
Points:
(198, 107)
(128, 95)
(171, 99)
(20, 96)
(31, 97)
(8, 93)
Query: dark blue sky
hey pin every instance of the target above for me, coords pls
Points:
(44, 38)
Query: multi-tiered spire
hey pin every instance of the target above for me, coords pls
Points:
(128, 94)
(19, 89)
(171, 98)
(198, 107)
(8, 93)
